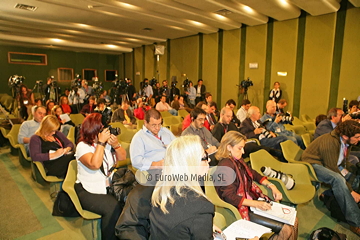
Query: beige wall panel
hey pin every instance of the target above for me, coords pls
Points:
(318, 52)
(349, 85)
(138, 66)
(255, 53)
(184, 58)
(121, 72)
(149, 61)
(210, 64)
(161, 66)
(284, 58)
(129, 65)
(230, 66)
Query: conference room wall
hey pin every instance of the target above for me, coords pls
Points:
(349, 85)
(284, 58)
(56, 59)
(230, 66)
(210, 64)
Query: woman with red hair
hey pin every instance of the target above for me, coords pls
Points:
(96, 153)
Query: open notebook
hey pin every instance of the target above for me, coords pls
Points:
(245, 229)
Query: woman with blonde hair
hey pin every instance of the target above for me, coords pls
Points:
(243, 193)
(51, 147)
(180, 208)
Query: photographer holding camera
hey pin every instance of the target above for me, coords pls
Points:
(146, 90)
(76, 96)
(165, 90)
(173, 91)
(276, 124)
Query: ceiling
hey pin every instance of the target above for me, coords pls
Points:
(116, 26)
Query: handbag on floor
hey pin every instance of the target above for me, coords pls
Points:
(63, 206)
(325, 233)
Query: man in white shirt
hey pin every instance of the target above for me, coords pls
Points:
(163, 106)
(242, 112)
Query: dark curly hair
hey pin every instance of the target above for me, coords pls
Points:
(348, 128)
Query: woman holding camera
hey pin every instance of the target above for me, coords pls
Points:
(51, 147)
(26, 101)
(97, 153)
(243, 192)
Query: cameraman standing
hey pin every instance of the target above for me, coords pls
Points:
(76, 99)
(173, 91)
(146, 91)
(165, 91)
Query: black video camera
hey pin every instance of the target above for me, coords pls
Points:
(153, 82)
(186, 83)
(173, 84)
(246, 83)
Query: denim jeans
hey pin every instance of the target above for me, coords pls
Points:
(173, 112)
(341, 192)
(293, 137)
(273, 142)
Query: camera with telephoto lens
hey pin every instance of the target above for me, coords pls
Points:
(286, 118)
(266, 133)
(15, 80)
(186, 83)
(355, 115)
(153, 81)
(288, 181)
(115, 131)
(173, 84)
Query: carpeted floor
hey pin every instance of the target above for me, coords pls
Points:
(26, 207)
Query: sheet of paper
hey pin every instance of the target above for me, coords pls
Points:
(245, 229)
(65, 117)
(278, 212)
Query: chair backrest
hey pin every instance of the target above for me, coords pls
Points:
(71, 135)
(139, 124)
(183, 113)
(306, 139)
(306, 118)
(291, 151)
(173, 120)
(165, 114)
(77, 118)
(68, 187)
(228, 211)
(13, 135)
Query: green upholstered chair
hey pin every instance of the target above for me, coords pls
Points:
(68, 187)
(139, 124)
(227, 211)
(182, 113)
(24, 158)
(172, 120)
(292, 153)
(306, 139)
(176, 129)
(303, 190)
(13, 138)
(77, 118)
(165, 114)
(71, 135)
(126, 134)
(39, 174)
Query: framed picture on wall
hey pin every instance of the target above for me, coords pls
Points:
(111, 75)
(65, 74)
(89, 74)
(27, 58)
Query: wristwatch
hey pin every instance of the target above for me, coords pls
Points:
(101, 144)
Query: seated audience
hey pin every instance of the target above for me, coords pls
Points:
(51, 147)
(319, 118)
(38, 103)
(26, 101)
(103, 110)
(210, 114)
(183, 104)
(64, 104)
(334, 117)
(124, 115)
(88, 108)
(187, 120)
(243, 193)
(225, 125)
(49, 106)
(105, 96)
(95, 158)
(280, 106)
(209, 143)
(208, 98)
(29, 127)
(242, 112)
(251, 127)
(231, 104)
(175, 103)
(353, 106)
(148, 146)
(140, 111)
(328, 156)
(163, 106)
(180, 208)
(65, 124)
(276, 124)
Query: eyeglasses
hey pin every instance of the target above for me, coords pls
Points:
(206, 157)
(155, 125)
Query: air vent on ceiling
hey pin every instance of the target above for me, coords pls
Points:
(25, 7)
(224, 12)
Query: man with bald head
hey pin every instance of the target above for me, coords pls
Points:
(251, 127)
(275, 124)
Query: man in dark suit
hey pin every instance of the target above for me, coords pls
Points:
(334, 117)
(252, 128)
(124, 115)
(200, 91)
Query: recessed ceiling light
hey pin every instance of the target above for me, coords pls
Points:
(82, 25)
(221, 17)
(177, 28)
(72, 31)
(127, 5)
(132, 39)
(248, 9)
(284, 3)
(57, 40)
(111, 46)
(196, 23)
(282, 74)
